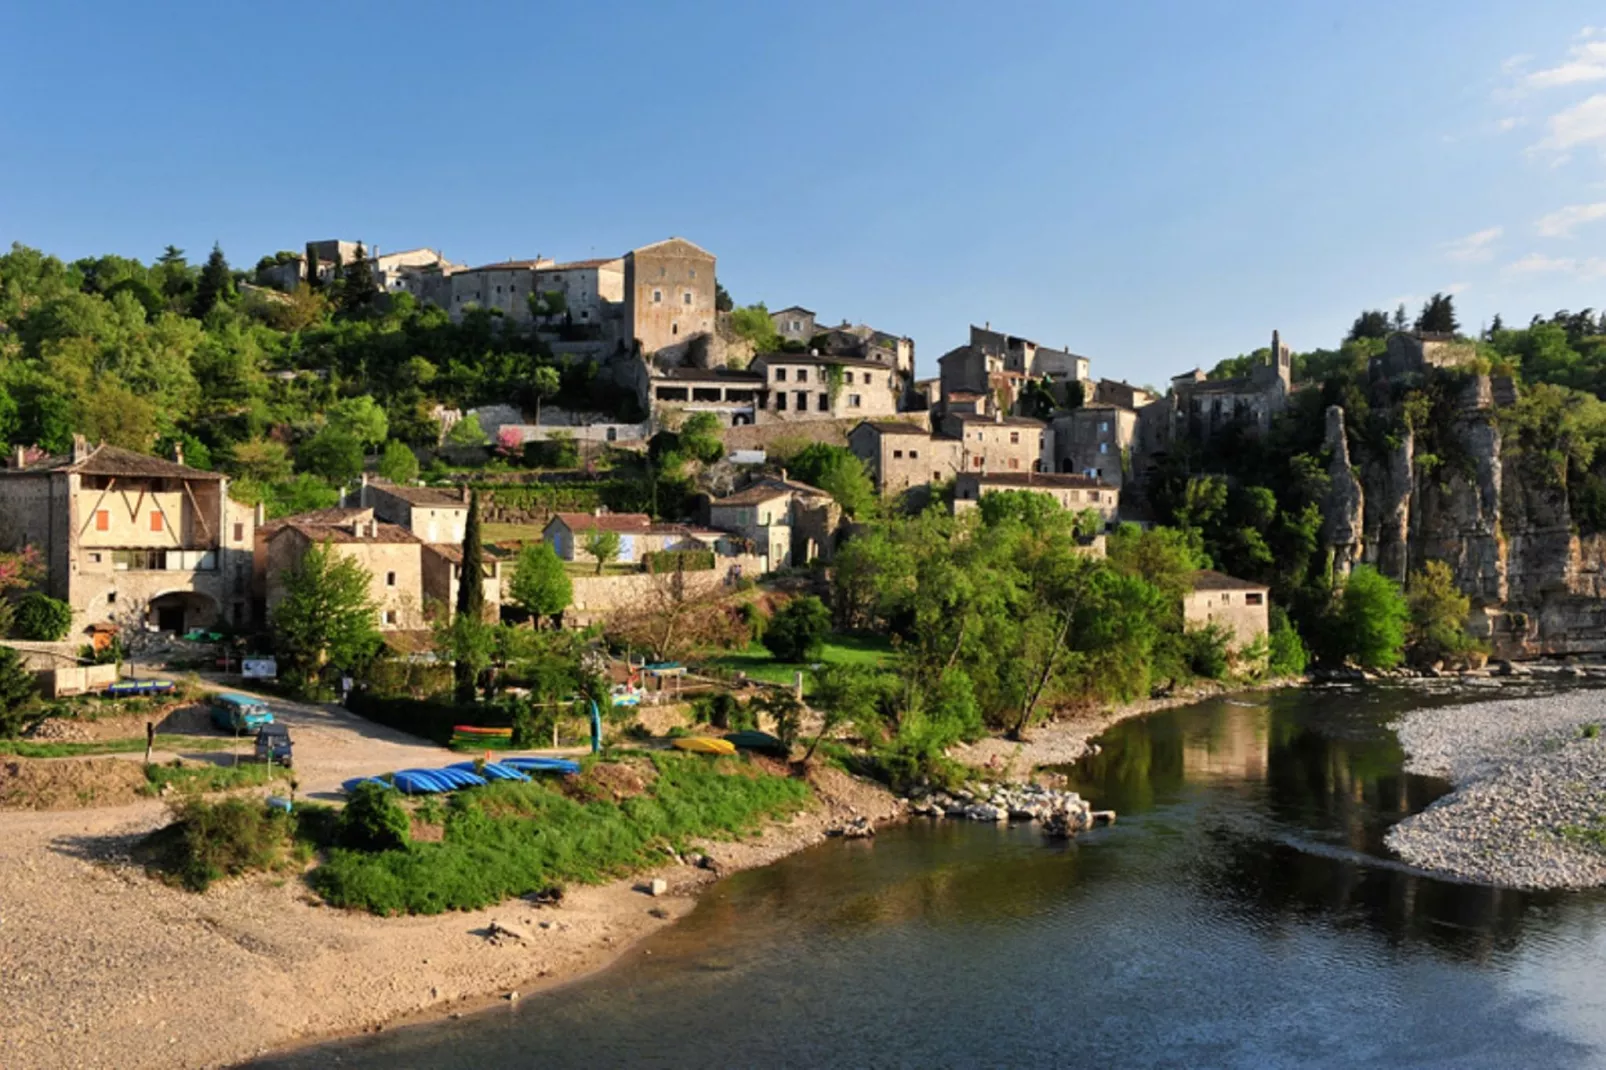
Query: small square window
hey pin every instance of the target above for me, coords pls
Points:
(853, 401)
(825, 402)
(390, 579)
(111, 598)
(780, 375)
(975, 462)
(686, 298)
(1226, 599)
(1014, 462)
(914, 455)
(94, 559)
(1014, 438)
(103, 520)
(897, 455)
(1254, 598)
(239, 532)
(390, 616)
(657, 297)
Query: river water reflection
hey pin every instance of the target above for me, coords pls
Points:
(1243, 912)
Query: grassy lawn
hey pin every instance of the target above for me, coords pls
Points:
(510, 532)
(24, 748)
(211, 777)
(759, 664)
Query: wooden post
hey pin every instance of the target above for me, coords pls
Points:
(797, 685)
(150, 740)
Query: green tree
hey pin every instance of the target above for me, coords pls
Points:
(540, 585)
(326, 618)
(357, 289)
(544, 383)
(467, 432)
(1367, 623)
(1287, 654)
(333, 453)
(41, 618)
(840, 473)
(848, 694)
(1439, 613)
(602, 545)
(361, 417)
(470, 589)
(215, 285)
(722, 298)
(314, 282)
(398, 463)
(1438, 315)
(702, 437)
(754, 324)
(18, 687)
(798, 629)
(1373, 323)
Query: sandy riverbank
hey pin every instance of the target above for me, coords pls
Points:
(101, 966)
(1530, 775)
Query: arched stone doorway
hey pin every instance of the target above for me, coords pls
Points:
(179, 611)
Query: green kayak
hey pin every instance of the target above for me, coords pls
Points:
(753, 740)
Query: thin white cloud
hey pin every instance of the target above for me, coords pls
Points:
(1562, 222)
(1508, 124)
(1592, 267)
(1585, 62)
(1456, 289)
(1474, 248)
(1513, 64)
(1582, 124)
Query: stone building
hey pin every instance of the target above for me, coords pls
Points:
(864, 342)
(1096, 441)
(1123, 395)
(902, 455)
(807, 386)
(1071, 492)
(593, 291)
(787, 522)
(1200, 407)
(668, 298)
(1413, 352)
(441, 575)
(504, 287)
(125, 537)
(390, 554)
(998, 443)
(639, 535)
(993, 363)
(435, 516)
(1240, 606)
(794, 324)
(736, 397)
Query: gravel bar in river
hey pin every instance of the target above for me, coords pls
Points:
(1530, 780)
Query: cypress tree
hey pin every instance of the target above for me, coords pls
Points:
(359, 285)
(313, 281)
(470, 591)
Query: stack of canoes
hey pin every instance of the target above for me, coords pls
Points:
(464, 775)
(473, 737)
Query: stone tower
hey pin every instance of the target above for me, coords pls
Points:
(1282, 359)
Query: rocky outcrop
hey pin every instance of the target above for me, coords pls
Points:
(1500, 521)
(1342, 529)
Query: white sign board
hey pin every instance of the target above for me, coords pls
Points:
(260, 668)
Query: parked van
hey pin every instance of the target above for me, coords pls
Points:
(239, 713)
(273, 744)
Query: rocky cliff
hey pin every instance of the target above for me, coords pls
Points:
(1498, 516)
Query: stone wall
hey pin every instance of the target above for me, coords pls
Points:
(596, 598)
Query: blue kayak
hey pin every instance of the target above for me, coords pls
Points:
(420, 782)
(461, 778)
(351, 784)
(491, 771)
(543, 765)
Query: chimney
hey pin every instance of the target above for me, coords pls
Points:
(998, 415)
(261, 514)
(464, 492)
(783, 474)
(178, 452)
(599, 511)
(19, 457)
(80, 448)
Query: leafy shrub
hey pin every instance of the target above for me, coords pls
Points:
(798, 630)
(723, 710)
(559, 451)
(1367, 624)
(209, 841)
(427, 719)
(678, 560)
(17, 690)
(1287, 654)
(41, 618)
(374, 820)
(1208, 651)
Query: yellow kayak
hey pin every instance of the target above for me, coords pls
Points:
(705, 745)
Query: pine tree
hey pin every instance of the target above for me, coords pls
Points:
(359, 284)
(216, 284)
(1400, 320)
(1438, 315)
(470, 591)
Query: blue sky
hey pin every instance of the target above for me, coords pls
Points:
(1157, 185)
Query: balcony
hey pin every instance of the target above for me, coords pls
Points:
(164, 560)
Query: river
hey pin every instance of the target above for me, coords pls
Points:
(1241, 913)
